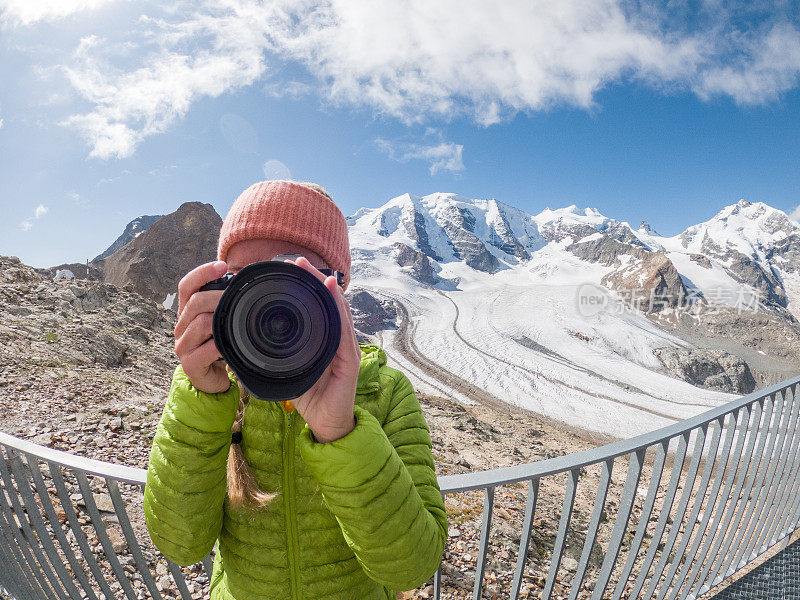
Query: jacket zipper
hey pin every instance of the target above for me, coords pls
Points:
(288, 469)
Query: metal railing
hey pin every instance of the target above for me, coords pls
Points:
(700, 500)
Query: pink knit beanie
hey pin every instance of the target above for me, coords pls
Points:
(292, 212)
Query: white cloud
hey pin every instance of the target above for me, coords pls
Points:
(420, 61)
(1, 123)
(27, 12)
(288, 89)
(772, 67)
(795, 214)
(38, 212)
(131, 104)
(445, 156)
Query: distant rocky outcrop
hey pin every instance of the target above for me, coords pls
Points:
(370, 314)
(79, 270)
(646, 278)
(767, 283)
(459, 224)
(154, 262)
(133, 230)
(711, 369)
(420, 265)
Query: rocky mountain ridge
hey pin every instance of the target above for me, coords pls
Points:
(132, 230)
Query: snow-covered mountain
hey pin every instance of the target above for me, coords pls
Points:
(535, 310)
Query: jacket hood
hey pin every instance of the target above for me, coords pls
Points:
(372, 359)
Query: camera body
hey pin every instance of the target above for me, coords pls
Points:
(277, 326)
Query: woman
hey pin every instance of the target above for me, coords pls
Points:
(331, 495)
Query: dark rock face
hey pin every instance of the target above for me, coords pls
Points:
(622, 233)
(786, 253)
(459, 224)
(700, 260)
(421, 269)
(749, 272)
(136, 227)
(604, 250)
(655, 283)
(647, 228)
(369, 314)
(154, 262)
(502, 237)
(711, 369)
(419, 234)
(557, 231)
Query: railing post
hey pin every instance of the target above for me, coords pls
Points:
(486, 525)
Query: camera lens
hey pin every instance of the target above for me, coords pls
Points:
(279, 325)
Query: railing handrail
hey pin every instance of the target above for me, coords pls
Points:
(449, 484)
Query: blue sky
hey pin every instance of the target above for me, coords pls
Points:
(111, 109)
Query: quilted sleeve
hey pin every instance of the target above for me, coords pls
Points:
(380, 483)
(187, 471)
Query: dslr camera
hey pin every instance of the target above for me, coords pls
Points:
(277, 326)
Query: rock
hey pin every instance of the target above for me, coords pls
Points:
(133, 230)
(102, 501)
(43, 439)
(711, 369)
(118, 541)
(570, 564)
(104, 347)
(370, 315)
(419, 265)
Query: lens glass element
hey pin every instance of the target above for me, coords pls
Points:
(279, 325)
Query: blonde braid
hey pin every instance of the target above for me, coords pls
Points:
(243, 488)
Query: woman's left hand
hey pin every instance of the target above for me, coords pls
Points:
(327, 406)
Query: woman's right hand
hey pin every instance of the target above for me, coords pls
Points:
(197, 353)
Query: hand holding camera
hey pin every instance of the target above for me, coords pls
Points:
(197, 353)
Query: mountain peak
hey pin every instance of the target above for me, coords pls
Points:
(645, 227)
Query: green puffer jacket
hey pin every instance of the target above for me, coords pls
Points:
(354, 519)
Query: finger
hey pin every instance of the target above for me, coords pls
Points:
(198, 331)
(199, 302)
(202, 357)
(348, 336)
(197, 278)
(306, 264)
(352, 324)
